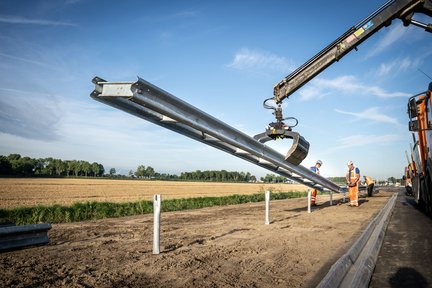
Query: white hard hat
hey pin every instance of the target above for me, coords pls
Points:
(350, 163)
(319, 162)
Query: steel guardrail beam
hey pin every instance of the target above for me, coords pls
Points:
(15, 237)
(153, 104)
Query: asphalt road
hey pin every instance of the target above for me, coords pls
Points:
(405, 259)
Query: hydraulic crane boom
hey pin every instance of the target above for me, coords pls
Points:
(402, 9)
(383, 16)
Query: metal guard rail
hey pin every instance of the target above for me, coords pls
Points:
(155, 105)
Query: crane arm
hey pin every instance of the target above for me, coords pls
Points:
(383, 16)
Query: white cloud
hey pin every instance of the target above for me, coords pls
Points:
(26, 60)
(345, 84)
(380, 92)
(33, 118)
(22, 20)
(312, 92)
(396, 32)
(398, 65)
(372, 113)
(246, 59)
(362, 140)
(72, 2)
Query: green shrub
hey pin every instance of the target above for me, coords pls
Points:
(99, 210)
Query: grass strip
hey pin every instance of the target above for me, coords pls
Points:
(99, 210)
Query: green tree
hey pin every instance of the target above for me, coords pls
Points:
(59, 167)
(86, 168)
(272, 178)
(149, 172)
(49, 167)
(213, 175)
(95, 169)
(39, 166)
(391, 179)
(101, 170)
(76, 167)
(112, 171)
(140, 171)
(69, 167)
(24, 166)
(339, 180)
(12, 157)
(5, 166)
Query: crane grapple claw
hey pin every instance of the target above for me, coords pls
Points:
(299, 149)
(279, 130)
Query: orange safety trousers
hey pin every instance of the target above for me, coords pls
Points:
(313, 196)
(353, 194)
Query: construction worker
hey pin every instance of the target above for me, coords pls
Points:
(408, 182)
(370, 185)
(352, 180)
(315, 169)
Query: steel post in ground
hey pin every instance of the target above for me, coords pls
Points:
(331, 198)
(267, 207)
(156, 223)
(309, 201)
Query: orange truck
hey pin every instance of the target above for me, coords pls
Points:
(420, 169)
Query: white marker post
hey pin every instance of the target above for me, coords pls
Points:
(267, 207)
(156, 222)
(309, 201)
(331, 198)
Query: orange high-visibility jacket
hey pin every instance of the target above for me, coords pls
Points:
(353, 175)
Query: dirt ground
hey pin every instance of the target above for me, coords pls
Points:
(212, 247)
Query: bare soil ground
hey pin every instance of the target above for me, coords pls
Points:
(18, 192)
(212, 247)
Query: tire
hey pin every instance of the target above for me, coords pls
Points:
(427, 193)
(408, 191)
(425, 201)
(424, 197)
(416, 189)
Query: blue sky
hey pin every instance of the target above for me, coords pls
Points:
(221, 56)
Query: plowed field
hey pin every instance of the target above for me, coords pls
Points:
(15, 192)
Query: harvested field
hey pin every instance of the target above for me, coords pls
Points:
(211, 247)
(20, 192)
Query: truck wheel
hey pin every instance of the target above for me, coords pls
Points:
(427, 193)
(416, 189)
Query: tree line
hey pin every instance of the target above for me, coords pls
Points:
(150, 173)
(16, 165)
(390, 180)
(218, 176)
(272, 178)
